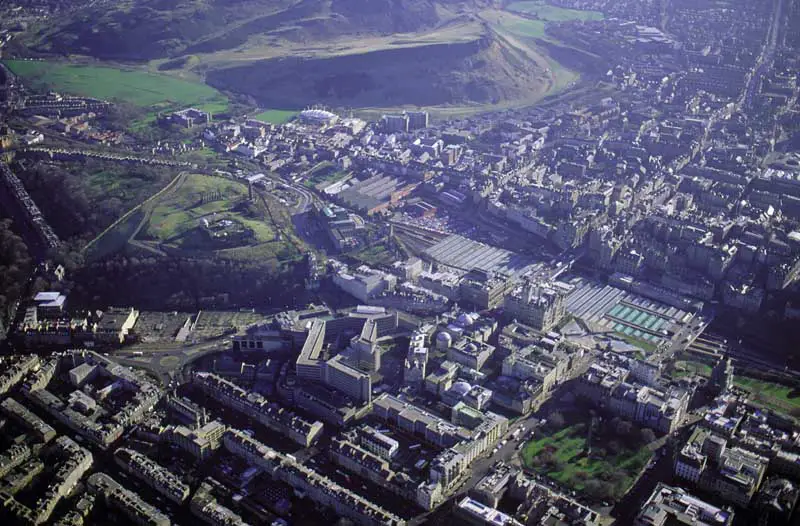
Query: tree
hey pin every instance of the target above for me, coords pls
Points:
(556, 420)
(623, 428)
(547, 457)
(647, 435)
(15, 267)
(597, 489)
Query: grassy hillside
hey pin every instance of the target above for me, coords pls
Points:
(551, 13)
(208, 214)
(81, 199)
(150, 29)
(291, 53)
(146, 90)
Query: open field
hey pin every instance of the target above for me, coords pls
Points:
(324, 172)
(690, 367)
(781, 398)
(151, 91)
(526, 34)
(82, 199)
(378, 254)
(517, 21)
(203, 215)
(258, 48)
(637, 342)
(201, 206)
(563, 456)
(275, 116)
(115, 239)
(529, 19)
(549, 13)
(329, 177)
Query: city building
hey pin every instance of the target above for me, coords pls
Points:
(153, 474)
(311, 484)
(474, 512)
(376, 442)
(115, 324)
(672, 505)
(541, 306)
(208, 509)
(40, 429)
(733, 474)
(269, 414)
(365, 283)
(348, 379)
(200, 442)
(470, 353)
(605, 385)
(490, 489)
(126, 501)
(49, 304)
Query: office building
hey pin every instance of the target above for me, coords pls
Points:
(200, 443)
(376, 442)
(470, 353)
(669, 505)
(605, 385)
(731, 473)
(417, 120)
(348, 379)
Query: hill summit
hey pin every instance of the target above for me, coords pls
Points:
(291, 53)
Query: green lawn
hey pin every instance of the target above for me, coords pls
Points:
(527, 28)
(689, 367)
(574, 467)
(204, 154)
(180, 212)
(375, 255)
(139, 88)
(275, 116)
(116, 239)
(772, 395)
(324, 172)
(545, 13)
(637, 342)
(550, 13)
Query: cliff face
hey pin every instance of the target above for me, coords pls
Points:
(484, 70)
(154, 29)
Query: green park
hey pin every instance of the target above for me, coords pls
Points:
(275, 116)
(204, 203)
(602, 459)
(538, 13)
(139, 88)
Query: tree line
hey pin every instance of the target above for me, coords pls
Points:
(16, 265)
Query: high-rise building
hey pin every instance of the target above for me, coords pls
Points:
(348, 379)
(395, 123)
(417, 120)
